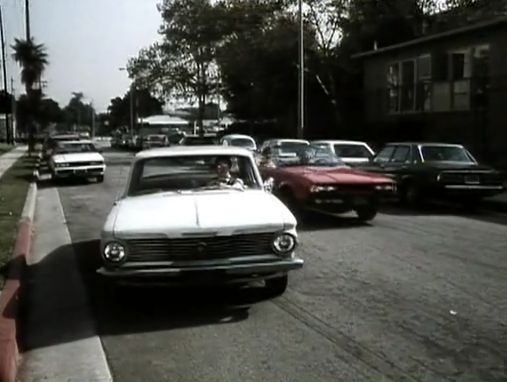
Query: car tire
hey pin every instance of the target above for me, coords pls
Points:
(411, 194)
(366, 213)
(100, 178)
(276, 286)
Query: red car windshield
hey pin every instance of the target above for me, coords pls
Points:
(309, 156)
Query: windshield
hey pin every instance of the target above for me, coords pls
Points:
(446, 154)
(352, 151)
(198, 141)
(68, 148)
(189, 173)
(156, 137)
(242, 142)
(308, 156)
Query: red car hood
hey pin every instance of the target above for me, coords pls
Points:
(332, 175)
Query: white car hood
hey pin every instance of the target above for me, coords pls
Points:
(77, 157)
(208, 213)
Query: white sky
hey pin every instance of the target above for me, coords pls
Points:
(87, 42)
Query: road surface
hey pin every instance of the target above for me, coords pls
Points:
(413, 295)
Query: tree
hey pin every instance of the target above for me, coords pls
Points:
(78, 113)
(145, 105)
(183, 65)
(33, 60)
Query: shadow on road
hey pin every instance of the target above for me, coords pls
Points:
(61, 306)
(445, 209)
(309, 221)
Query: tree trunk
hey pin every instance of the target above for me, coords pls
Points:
(200, 116)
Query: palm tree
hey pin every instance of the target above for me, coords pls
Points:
(33, 59)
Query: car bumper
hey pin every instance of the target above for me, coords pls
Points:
(68, 172)
(196, 274)
(347, 202)
(470, 190)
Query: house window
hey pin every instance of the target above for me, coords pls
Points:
(460, 70)
(407, 100)
(480, 84)
(423, 95)
(393, 88)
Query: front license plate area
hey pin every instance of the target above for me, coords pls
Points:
(472, 179)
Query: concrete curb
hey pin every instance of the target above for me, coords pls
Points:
(9, 299)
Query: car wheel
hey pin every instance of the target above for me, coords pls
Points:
(411, 194)
(366, 213)
(100, 178)
(277, 286)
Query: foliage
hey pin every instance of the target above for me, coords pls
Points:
(33, 60)
(183, 64)
(77, 112)
(144, 105)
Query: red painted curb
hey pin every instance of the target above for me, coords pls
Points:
(9, 353)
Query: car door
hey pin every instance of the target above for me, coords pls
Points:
(400, 163)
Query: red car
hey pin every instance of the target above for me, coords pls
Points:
(314, 177)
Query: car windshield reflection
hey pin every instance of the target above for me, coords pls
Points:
(446, 154)
(307, 156)
(192, 173)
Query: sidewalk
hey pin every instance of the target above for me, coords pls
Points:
(10, 157)
(59, 340)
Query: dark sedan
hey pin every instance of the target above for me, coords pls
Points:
(437, 170)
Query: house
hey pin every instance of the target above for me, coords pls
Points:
(447, 86)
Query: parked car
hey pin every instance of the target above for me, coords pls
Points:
(351, 152)
(198, 140)
(239, 140)
(437, 170)
(175, 222)
(155, 140)
(315, 178)
(52, 141)
(71, 159)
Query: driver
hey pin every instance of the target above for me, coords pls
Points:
(224, 178)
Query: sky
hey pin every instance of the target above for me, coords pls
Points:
(87, 42)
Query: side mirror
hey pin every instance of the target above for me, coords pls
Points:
(269, 184)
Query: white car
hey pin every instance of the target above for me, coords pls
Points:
(284, 143)
(239, 140)
(77, 159)
(176, 223)
(351, 152)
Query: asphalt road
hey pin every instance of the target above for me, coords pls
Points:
(416, 295)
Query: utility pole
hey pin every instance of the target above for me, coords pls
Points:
(8, 136)
(14, 121)
(301, 82)
(27, 19)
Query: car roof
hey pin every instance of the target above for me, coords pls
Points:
(287, 140)
(64, 136)
(339, 141)
(235, 136)
(76, 142)
(425, 144)
(193, 150)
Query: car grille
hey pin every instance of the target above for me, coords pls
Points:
(207, 248)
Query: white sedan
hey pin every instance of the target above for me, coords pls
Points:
(199, 214)
(77, 159)
(239, 140)
(351, 152)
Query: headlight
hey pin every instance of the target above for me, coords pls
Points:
(322, 188)
(284, 243)
(384, 187)
(61, 165)
(114, 252)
